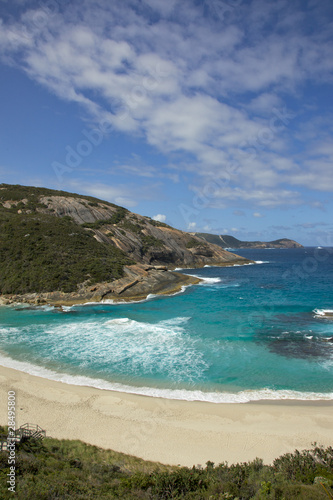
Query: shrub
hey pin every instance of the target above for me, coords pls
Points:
(42, 253)
(119, 214)
(192, 243)
(306, 465)
(71, 469)
(149, 242)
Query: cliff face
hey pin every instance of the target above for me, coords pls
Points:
(57, 241)
(226, 241)
(141, 238)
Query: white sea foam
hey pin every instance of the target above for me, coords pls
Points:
(117, 321)
(182, 290)
(31, 307)
(46, 307)
(116, 345)
(177, 394)
(323, 313)
(109, 302)
(215, 280)
(150, 296)
(253, 263)
(207, 281)
(87, 304)
(211, 281)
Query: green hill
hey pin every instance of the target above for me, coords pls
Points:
(57, 241)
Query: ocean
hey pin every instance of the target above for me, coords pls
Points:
(245, 333)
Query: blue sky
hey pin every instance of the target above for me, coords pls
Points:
(211, 115)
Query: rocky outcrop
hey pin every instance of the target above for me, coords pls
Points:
(226, 241)
(79, 209)
(141, 238)
(153, 246)
(139, 282)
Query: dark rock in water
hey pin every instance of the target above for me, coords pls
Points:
(299, 344)
(299, 348)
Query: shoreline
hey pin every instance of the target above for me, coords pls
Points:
(212, 396)
(168, 431)
(57, 299)
(139, 282)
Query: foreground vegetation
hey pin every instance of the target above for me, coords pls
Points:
(65, 469)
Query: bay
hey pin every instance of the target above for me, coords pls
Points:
(245, 333)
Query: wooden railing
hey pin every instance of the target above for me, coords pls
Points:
(23, 433)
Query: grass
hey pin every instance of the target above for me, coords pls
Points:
(74, 470)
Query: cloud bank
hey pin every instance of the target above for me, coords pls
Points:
(229, 88)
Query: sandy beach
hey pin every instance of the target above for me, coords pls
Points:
(168, 431)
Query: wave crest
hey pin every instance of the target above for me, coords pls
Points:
(323, 313)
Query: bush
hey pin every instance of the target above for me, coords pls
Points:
(306, 465)
(192, 243)
(74, 470)
(42, 253)
(149, 242)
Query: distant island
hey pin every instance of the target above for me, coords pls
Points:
(226, 241)
(65, 248)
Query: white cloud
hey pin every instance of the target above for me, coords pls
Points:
(192, 226)
(180, 83)
(311, 225)
(160, 217)
(125, 195)
(140, 169)
(264, 103)
(164, 8)
(258, 214)
(260, 197)
(120, 195)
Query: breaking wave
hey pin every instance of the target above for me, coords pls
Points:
(245, 396)
(323, 313)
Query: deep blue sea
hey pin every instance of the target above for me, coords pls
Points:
(245, 333)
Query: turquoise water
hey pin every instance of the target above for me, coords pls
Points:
(245, 333)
